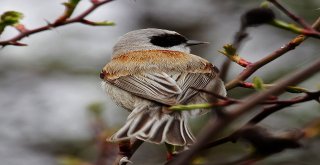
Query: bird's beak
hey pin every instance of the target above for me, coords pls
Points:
(194, 42)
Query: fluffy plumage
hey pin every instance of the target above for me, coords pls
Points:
(146, 79)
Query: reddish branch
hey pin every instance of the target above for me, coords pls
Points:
(267, 111)
(250, 69)
(213, 128)
(291, 15)
(59, 22)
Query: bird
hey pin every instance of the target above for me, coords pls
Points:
(150, 71)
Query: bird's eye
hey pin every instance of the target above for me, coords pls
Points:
(167, 40)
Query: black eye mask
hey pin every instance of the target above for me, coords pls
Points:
(167, 40)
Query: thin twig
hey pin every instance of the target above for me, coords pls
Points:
(239, 37)
(265, 113)
(250, 69)
(248, 104)
(291, 89)
(77, 19)
(135, 144)
(262, 115)
(291, 15)
(268, 111)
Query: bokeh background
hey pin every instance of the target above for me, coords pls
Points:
(52, 107)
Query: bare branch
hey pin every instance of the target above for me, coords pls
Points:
(249, 70)
(61, 21)
(291, 15)
(212, 128)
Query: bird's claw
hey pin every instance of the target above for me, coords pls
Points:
(124, 160)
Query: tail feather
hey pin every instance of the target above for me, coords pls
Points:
(150, 124)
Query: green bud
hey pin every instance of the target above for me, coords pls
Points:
(10, 18)
(258, 83)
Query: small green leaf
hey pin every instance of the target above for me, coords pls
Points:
(265, 4)
(258, 83)
(229, 49)
(286, 26)
(70, 6)
(10, 18)
(74, 2)
(71, 3)
(295, 89)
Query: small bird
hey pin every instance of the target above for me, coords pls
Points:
(151, 70)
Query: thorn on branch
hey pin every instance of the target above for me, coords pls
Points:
(17, 43)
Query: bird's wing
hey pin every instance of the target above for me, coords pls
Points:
(162, 88)
(196, 80)
(159, 87)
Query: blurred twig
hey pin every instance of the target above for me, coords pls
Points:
(230, 101)
(127, 151)
(291, 15)
(248, 104)
(290, 89)
(105, 151)
(265, 113)
(250, 69)
(61, 21)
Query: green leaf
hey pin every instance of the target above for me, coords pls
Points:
(258, 83)
(286, 26)
(295, 89)
(11, 18)
(70, 6)
(229, 49)
(265, 4)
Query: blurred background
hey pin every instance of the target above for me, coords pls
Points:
(53, 110)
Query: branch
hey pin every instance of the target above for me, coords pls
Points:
(268, 111)
(62, 20)
(306, 30)
(126, 151)
(290, 89)
(291, 15)
(250, 69)
(213, 128)
(295, 29)
(230, 101)
(264, 114)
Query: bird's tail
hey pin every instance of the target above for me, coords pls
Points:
(151, 124)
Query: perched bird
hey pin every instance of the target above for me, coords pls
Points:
(151, 70)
